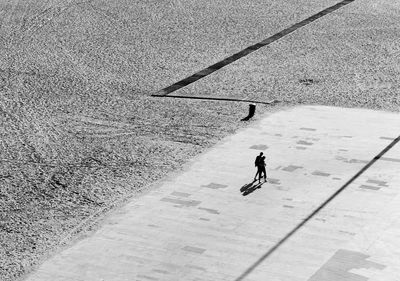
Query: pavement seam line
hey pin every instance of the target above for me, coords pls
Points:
(317, 210)
(211, 69)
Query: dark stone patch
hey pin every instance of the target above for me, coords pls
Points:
(386, 138)
(288, 199)
(153, 225)
(215, 185)
(193, 249)
(338, 267)
(389, 159)
(347, 137)
(211, 211)
(350, 216)
(179, 202)
(259, 147)
(160, 271)
(274, 181)
(170, 266)
(146, 277)
(346, 232)
(319, 219)
(196, 267)
(204, 219)
(369, 187)
(319, 173)
(288, 206)
(380, 183)
(337, 179)
(278, 135)
(343, 149)
(291, 168)
(180, 194)
(357, 161)
(307, 129)
(301, 147)
(302, 142)
(352, 161)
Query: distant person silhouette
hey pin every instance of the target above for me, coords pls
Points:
(262, 169)
(257, 163)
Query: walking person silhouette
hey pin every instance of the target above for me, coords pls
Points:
(260, 164)
(262, 168)
(257, 164)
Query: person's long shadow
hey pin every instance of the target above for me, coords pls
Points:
(251, 187)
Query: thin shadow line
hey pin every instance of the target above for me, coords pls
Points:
(221, 99)
(207, 71)
(326, 202)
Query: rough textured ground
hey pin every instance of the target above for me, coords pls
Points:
(79, 131)
(348, 58)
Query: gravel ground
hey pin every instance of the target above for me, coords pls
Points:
(350, 58)
(80, 132)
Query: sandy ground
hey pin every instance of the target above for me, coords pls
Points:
(80, 132)
(349, 58)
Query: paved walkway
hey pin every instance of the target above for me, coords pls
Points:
(200, 226)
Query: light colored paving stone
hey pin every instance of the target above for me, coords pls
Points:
(199, 226)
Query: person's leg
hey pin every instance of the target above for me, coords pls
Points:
(255, 177)
(265, 173)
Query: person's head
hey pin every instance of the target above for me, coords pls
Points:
(261, 154)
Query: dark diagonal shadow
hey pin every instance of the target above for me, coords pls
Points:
(245, 52)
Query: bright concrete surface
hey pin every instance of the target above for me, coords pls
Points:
(199, 226)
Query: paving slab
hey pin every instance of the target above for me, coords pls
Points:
(210, 223)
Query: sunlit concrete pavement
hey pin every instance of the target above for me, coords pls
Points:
(200, 226)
